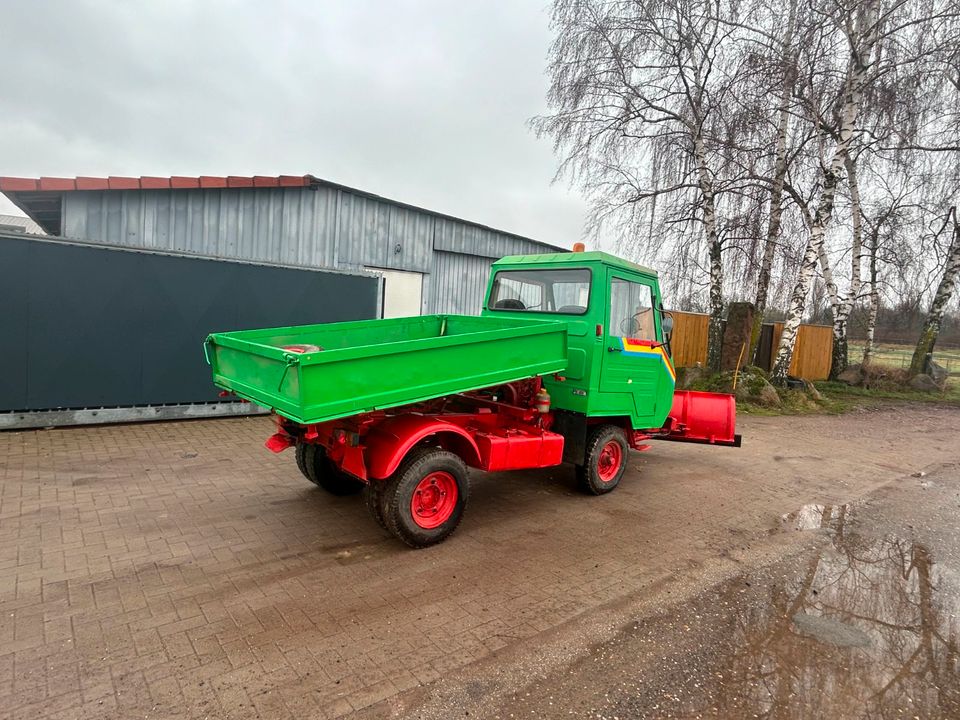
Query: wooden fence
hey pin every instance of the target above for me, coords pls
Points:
(689, 341)
(813, 353)
(811, 356)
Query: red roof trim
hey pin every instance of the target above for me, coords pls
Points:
(176, 182)
(294, 180)
(15, 184)
(92, 183)
(207, 181)
(123, 183)
(54, 183)
(154, 183)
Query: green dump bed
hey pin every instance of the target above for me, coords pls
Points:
(342, 369)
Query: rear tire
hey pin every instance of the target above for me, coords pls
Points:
(318, 469)
(425, 498)
(605, 459)
(373, 493)
(301, 451)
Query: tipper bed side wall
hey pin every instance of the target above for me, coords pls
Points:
(344, 369)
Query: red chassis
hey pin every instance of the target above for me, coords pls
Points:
(487, 434)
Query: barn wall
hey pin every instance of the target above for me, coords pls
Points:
(314, 227)
(461, 282)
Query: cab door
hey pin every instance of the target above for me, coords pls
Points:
(632, 359)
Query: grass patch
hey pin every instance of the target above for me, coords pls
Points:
(853, 396)
(899, 356)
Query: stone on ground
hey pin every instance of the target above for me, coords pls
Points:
(939, 374)
(924, 383)
(853, 375)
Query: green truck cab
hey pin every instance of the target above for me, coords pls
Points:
(618, 359)
(569, 361)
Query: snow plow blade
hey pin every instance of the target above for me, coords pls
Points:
(702, 417)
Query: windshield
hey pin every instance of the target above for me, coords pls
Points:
(564, 292)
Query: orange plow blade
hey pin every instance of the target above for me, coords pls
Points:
(702, 417)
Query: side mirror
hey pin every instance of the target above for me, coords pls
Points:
(666, 324)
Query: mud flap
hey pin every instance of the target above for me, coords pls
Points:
(278, 442)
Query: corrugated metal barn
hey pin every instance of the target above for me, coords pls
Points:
(150, 265)
(431, 262)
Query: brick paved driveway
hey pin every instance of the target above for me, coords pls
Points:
(180, 570)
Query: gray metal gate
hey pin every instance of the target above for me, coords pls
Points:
(84, 326)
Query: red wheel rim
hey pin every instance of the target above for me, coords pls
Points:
(609, 462)
(434, 499)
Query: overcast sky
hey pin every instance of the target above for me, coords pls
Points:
(424, 102)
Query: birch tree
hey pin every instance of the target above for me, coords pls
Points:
(942, 296)
(874, 297)
(894, 237)
(890, 90)
(882, 228)
(639, 89)
(786, 60)
(861, 31)
(841, 304)
(944, 144)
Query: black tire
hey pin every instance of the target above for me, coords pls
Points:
(373, 493)
(605, 443)
(419, 465)
(321, 472)
(301, 451)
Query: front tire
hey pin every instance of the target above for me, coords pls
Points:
(318, 469)
(425, 498)
(605, 459)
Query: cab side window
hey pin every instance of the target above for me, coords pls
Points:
(631, 310)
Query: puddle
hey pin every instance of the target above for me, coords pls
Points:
(867, 627)
(816, 517)
(830, 631)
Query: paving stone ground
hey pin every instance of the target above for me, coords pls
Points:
(174, 570)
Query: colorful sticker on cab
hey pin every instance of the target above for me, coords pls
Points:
(632, 346)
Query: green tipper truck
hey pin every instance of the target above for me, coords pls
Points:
(569, 361)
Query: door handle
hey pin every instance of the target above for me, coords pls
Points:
(614, 349)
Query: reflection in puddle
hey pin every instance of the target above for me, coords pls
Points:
(814, 517)
(867, 628)
(830, 631)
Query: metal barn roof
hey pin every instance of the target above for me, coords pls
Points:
(42, 198)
